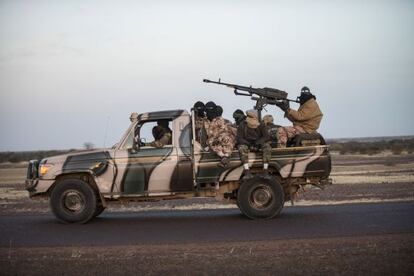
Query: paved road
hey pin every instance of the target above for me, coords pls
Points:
(226, 225)
(357, 239)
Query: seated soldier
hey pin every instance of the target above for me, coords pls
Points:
(271, 129)
(221, 136)
(305, 120)
(238, 116)
(162, 134)
(251, 135)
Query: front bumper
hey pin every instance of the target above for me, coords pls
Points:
(38, 186)
(35, 185)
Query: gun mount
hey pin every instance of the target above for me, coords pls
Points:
(262, 96)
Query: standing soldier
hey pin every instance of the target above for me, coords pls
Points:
(305, 120)
(251, 135)
(221, 136)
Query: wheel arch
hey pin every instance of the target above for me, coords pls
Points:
(86, 177)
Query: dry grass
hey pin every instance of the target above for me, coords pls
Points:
(357, 178)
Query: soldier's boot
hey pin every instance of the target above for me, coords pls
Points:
(248, 174)
(224, 162)
(266, 174)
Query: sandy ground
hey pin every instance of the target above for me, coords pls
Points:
(356, 178)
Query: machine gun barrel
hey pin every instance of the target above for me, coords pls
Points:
(273, 95)
(235, 86)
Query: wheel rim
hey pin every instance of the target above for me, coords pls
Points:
(261, 197)
(73, 201)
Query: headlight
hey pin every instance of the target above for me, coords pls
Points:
(44, 168)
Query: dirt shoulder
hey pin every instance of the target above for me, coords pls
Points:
(383, 254)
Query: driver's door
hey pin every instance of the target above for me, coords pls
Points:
(147, 170)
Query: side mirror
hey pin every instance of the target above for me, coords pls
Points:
(138, 142)
(135, 144)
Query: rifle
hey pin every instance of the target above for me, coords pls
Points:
(264, 96)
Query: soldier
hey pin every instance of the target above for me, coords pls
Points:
(270, 128)
(221, 136)
(162, 134)
(251, 135)
(305, 120)
(238, 116)
(211, 110)
(200, 123)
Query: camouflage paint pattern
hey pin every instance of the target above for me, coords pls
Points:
(149, 171)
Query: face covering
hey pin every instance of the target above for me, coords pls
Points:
(251, 119)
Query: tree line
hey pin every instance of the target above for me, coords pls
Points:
(396, 146)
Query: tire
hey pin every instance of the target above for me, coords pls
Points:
(99, 210)
(260, 198)
(73, 201)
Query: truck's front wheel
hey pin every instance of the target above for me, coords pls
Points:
(260, 198)
(73, 200)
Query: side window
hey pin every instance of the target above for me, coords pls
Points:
(156, 133)
(129, 140)
(145, 131)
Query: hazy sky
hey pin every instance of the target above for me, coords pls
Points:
(69, 69)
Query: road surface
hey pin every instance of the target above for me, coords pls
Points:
(335, 239)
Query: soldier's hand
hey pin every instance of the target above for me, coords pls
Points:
(279, 104)
(284, 105)
(258, 144)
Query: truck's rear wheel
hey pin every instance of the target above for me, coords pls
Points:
(73, 200)
(260, 198)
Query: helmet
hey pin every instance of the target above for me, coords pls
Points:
(305, 89)
(267, 119)
(238, 113)
(163, 123)
(305, 95)
(211, 109)
(219, 111)
(210, 105)
(199, 109)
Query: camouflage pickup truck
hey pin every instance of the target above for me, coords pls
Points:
(80, 185)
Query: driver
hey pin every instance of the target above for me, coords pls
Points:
(162, 134)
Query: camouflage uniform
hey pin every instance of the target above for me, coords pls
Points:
(266, 153)
(221, 137)
(251, 135)
(271, 129)
(286, 133)
(201, 126)
(162, 137)
(305, 120)
(165, 140)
